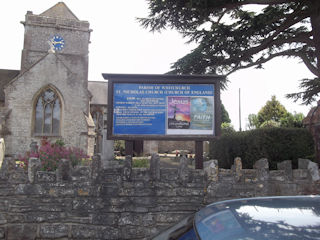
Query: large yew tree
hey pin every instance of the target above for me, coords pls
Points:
(238, 34)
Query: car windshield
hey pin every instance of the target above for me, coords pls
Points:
(269, 218)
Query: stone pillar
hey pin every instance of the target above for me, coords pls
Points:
(107, 151)
(127, 168)
(9, 165)
(312, 167)
(64, 170)
(211, 169)
(286, 166)
(314, 171)
(33, 166)
(262, 167)
(155, 167)
(96, 166)
(237, 168)
(183, 170)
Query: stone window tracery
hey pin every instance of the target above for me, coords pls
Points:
(47, 113)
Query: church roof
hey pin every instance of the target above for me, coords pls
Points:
(60, 10)
(99, 91)
(20, 74)
(5, 77)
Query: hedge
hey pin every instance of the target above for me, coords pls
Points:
(275, 144)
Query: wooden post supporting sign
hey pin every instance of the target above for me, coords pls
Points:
(129, 147)
(199, 155)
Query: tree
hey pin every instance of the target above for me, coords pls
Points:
(253, 121)
(292, 120)
(274, 114)
(272, 111)
(224, 115)
(226, 126)
(233, 35)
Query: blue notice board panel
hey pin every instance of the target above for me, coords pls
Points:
(163, 109)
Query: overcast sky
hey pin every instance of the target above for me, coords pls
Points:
(120, 45)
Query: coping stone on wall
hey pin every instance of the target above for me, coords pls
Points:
(303, 163)
(33, 167)
(95, 167)
(314, 171)
(127, 168)
(8, 165)
(211, 169)
(183, 170)
(286, 166)
(237, 168)
(155, 166)
(262, 167)
(64, 170)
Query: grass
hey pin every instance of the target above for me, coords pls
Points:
(137, 162)
(140, 163)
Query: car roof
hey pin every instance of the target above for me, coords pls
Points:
(266, 198)
(259, 217)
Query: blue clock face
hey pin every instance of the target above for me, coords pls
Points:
(57, 42)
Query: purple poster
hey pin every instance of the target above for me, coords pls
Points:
(178, 112)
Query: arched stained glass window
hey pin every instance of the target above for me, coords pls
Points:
(47, 113)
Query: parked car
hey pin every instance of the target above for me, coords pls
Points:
(294, 218)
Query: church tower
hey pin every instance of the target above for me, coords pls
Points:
(58, 29)
(50, 97)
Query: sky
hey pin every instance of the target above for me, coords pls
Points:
(120, 45)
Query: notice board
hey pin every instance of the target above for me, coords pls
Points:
(163, 106)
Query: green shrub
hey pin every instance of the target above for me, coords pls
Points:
(275, 144)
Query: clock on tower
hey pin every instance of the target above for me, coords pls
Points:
(57, 42)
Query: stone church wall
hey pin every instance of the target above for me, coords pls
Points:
(21, 95)
(125, 203)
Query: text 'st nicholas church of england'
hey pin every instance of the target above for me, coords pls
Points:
(50, 96)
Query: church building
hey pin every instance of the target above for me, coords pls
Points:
(49, 96)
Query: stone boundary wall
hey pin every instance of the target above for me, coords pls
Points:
(128, 203)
